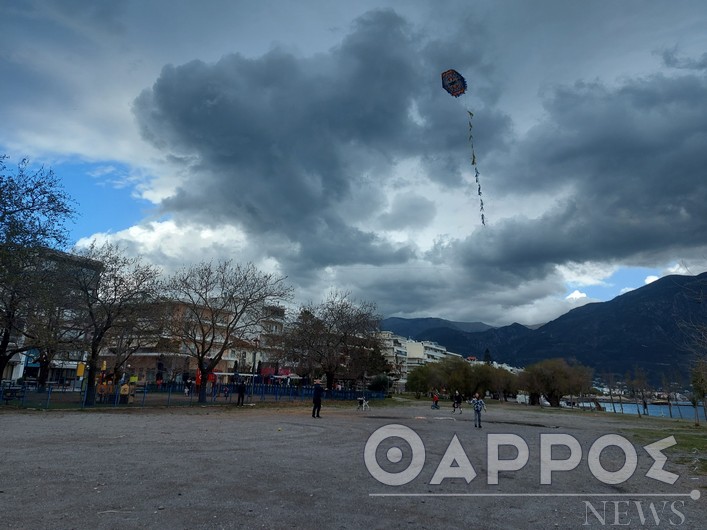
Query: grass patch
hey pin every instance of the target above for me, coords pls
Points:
(691, 447)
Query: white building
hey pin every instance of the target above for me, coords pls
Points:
(396, 355)
(504, 366)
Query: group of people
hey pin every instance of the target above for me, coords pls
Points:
(477, 404)
(106, 392)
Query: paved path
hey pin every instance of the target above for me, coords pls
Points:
(258, 467)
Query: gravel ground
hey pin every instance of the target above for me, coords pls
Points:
(270, 467)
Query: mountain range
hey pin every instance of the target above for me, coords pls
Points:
(646, 329)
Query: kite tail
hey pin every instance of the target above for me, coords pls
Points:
(476, 169)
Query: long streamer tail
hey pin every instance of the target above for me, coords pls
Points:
(476, 168)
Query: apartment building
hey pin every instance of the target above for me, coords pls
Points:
(163, 357)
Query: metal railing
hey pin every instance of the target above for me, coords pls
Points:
(166, 395)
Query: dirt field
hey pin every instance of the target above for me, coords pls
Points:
(268, 467)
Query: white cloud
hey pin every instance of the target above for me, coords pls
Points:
(575, 295)
(587, 273)
(171, 245)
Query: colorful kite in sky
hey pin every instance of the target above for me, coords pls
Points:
(454, 83)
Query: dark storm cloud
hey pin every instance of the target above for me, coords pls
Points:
(301, 153)
(673, 60)
(631, 160)
(281, 144)
(623, 170)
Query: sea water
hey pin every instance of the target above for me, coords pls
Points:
(686, 409)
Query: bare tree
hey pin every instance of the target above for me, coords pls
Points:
(695, 333)
(698, 379)
(33, 210)
(638, 385)
(33, 207)
(113, 292)
(326, 336)
(212, 307)
(141, 327)
(18, 283)
(610, 380)
(54, 324)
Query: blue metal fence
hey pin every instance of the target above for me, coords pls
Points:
(168, 395)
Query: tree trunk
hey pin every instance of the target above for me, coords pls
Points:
(4, 359)
(203, 380)
(4, 355)
(670, 406)
(44, 364)
(91, 379)
(644, 403)
(553, 399)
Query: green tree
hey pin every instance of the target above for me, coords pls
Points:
(418, 380)
(480, 379)
(503, 382)
(553, 378)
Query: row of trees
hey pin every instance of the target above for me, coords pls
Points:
(552, 378)
(98, 298)
(94, 298)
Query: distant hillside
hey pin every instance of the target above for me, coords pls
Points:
(412, 327)
(641, 328)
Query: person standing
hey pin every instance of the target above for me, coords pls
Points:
(124, 393)
(102, 391)
(241, 393)
(457, 402)
(478, 405)
(317, 399)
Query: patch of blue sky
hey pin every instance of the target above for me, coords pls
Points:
(622, 280)
(106, 195)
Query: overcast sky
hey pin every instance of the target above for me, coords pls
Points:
(314, 139)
